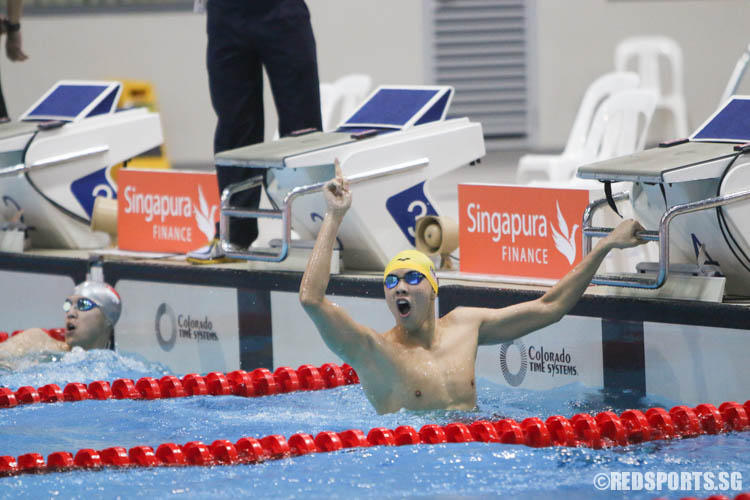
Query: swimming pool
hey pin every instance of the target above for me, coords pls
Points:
(457, 470)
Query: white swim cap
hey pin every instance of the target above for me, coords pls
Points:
(104, 296)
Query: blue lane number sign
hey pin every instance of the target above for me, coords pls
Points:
(407, 206)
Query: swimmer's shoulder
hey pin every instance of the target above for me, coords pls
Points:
(40, 338)
(462, 315)
(33, 340)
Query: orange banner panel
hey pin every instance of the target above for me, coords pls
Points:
(166, 210)
(520, 231)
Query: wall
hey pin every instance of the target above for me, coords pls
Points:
(576, 43)
(168, 49)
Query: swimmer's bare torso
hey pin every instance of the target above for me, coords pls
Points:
(423, 362)
(400, 373)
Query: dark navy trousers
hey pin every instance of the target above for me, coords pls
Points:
(243, 37)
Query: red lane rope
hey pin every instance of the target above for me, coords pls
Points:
(259, 382)
(606, 429)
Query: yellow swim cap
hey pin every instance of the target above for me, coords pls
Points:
(414, 260)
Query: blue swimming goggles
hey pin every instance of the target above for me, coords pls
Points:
(83, 304)
(412, 278)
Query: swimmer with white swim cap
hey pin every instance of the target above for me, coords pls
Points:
(91, 312)
(426, 363)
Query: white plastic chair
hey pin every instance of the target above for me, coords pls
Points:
(619, 127)
(621, 124)
(646, 52)
(353, 89)
(562, 167)
(736, 77)
(330, 95)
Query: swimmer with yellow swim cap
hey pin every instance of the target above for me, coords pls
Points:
(425, 362)
(417, 262)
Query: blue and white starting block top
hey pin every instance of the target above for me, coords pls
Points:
(706, 179)
(704, 155)
(400, 108)
(72, 101)
(399, 132)
(730, 123)
(64, 155)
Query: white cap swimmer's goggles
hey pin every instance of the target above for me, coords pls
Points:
(82, 304)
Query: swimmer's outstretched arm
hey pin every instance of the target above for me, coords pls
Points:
(502, 325)
(348, 339)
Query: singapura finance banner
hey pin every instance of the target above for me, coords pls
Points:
(520, 231)
(166, 211)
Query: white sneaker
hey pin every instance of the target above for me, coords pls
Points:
(210, 254)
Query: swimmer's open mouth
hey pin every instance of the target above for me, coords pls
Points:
(403, 306)
(70, 327)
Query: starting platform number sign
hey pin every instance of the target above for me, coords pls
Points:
(407, 206)
(87, 188)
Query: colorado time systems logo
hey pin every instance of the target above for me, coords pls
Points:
(165, 320)
(170, 326)
(516, 360)
(518, 350)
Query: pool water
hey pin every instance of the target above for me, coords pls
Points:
(456, 470)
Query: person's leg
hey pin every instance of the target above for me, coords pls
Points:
(236, 87)
(289, 55)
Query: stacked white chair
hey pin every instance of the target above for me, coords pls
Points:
(621, 124)
(329, 99)
(649, 55)
(352, 90)
(736, 77)
(562, 167)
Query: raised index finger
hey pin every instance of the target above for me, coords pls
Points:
(337, 166)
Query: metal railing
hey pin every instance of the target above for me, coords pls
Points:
(54, 160)
(662, 236)
(285, 213)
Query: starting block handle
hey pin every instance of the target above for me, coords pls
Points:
(285, 213)
(601, 232)
(54, 160)
(662, 236)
